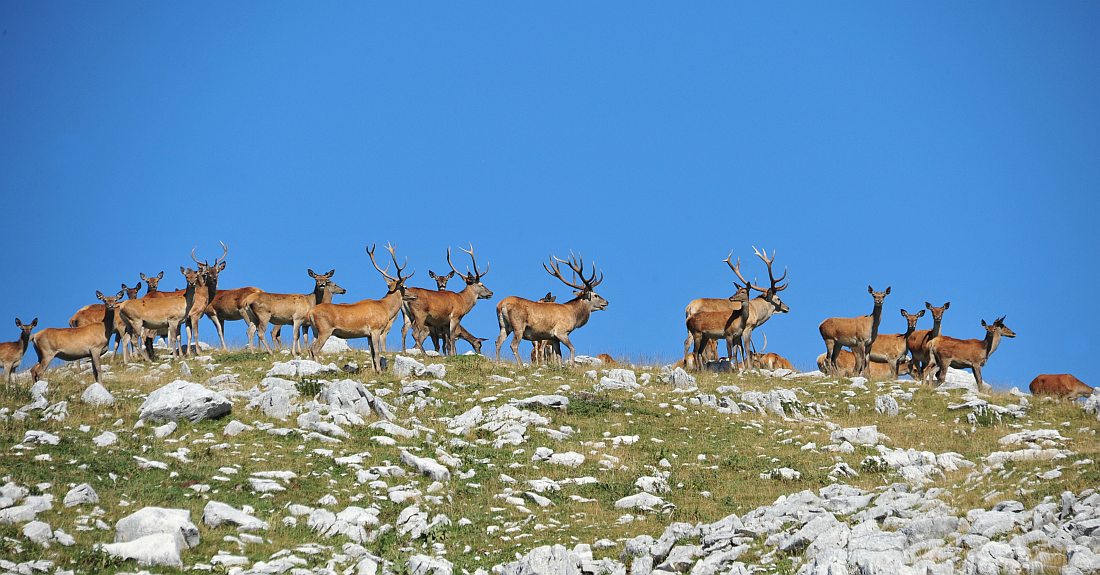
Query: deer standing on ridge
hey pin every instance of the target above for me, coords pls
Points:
(763, 306)
(917, 343)
(75, 343)
(972, 353)
(441, 310)
(93, 313)
(538, 321)
(278, 309)
(367, 318)
(11, 352)
(890, 348)
(858, 333)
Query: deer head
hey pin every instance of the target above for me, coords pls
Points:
(441, 280)
(25, 327)
(472, 278)
(324, 282)
(110, 302)
(393, 284)
(549, 298)
(911, 319)
(131, 292)
(209, 270)
(937, 312)
(771, 293)
(152, 281)
(880, 296)
(586, 290)
(998, 327)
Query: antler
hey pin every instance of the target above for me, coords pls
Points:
(737, 271)
(479, 274)
(384, 272)
(400, 268)
(768, 261)
(225, 252)
(200, 264)
(576, 264)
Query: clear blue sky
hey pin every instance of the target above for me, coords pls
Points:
(949, 150)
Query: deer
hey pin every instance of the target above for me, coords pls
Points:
(846, 367)
(210, 273)
(891, 348)
(166, 315)
(763, 306)
(93, 313)
(538, 321)
(917, 342)
(442, 310)
(75, 343)
(1053, 384)
(540, 348)
(263, 308)
(368, 318)
(713, 325)
(771, 361)
(436, 333)
(228, 305)
(11, 352)
(858, 333)
(964, 353)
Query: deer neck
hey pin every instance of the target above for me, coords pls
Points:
(109, 321)
(322, 296)
(195, 297)
(992, 340)
(764, 310)
(469, 299)
(24, 341)
(392, 303)
(935, 328)
(876, 319)
(581, 311)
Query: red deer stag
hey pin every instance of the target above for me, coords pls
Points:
(278, 309)
(74, 343)
(441, 310)
(763, 306)
(1056, 385)
(917, 343)
(367, 318)
(891, 348)
(11, 352)
(858, 333)
(543, 321)
(964, 353)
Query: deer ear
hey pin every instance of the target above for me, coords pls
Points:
(946, 305)
(120, 294)
(870, 289)
(124, 287)
(34, 322)
(18, 323)
(182, 270)
(310, 272)
(887, 290)
(983, 323)
(921, 314)
(143, 276)
(160, 276)
(221, 266)
(137, 287)
(431, 274)
(927, 305)
(99, 294)
(904, 313)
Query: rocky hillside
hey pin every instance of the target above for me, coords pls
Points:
(237, 463)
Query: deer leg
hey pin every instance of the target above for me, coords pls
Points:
(832, 350)
(319, 339)
(295, 327)
(219, 325)
(977, 369)
(95, 365)
(43, 361)
(260, 327)
(376, 362)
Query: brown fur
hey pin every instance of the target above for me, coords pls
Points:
(535, 321)
(890, 348)
(441, 310)
(278, 309)
(165, 315)
(1059, 385)
(75, 343)
(706, 326)
(11, 352)
(846, 367)
(607, 359)
(972, 353)
(917, 342)
(228, 305)
(367, 318)
(857, 333)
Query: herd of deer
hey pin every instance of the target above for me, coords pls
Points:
(134, 322)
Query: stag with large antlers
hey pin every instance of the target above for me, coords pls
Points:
(368, 318)
(763, 306)
(857, 333)
(11, 352)
(278, 309)
(441, 311)
(75, 343)
(964, 353)
(921, 365)
(540, 321)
